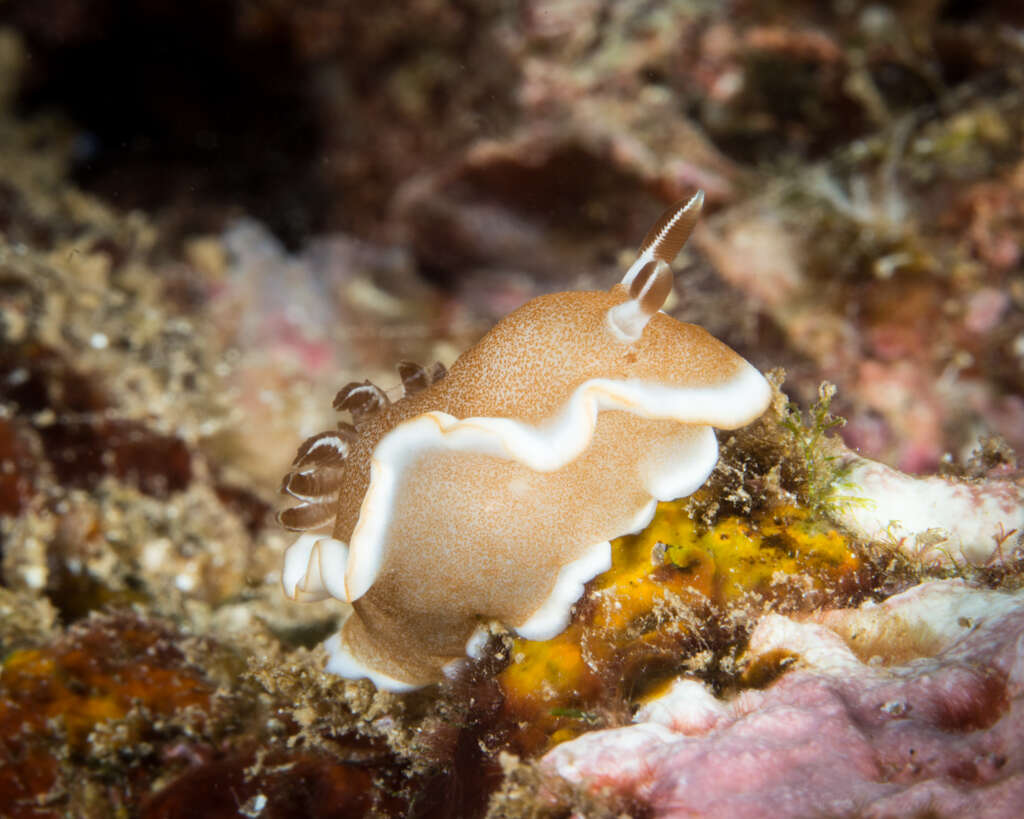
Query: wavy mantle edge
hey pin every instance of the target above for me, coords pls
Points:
(546, 447)
(317, 566)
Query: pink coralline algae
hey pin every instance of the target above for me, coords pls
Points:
(935, 519)
(911, 707)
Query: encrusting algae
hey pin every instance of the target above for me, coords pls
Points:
(659, 611)
(107, 670)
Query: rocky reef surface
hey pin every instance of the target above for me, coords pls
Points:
(904, 708)
(192, 263)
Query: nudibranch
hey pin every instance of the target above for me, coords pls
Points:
(491, 492)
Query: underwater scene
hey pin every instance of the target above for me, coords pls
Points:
(528, 409)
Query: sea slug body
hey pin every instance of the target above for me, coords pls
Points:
(491, 492)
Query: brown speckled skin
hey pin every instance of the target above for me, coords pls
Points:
(462, 547)
(531, 361)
